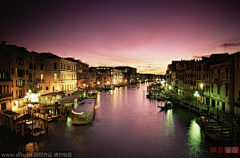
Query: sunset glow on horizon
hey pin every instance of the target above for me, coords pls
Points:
(146, 35)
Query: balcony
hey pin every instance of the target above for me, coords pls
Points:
(215, 95)
(21, 96)
(207, 80)
(6, 95)
(226, 80)
(207, 93)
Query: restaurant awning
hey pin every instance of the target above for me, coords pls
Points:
(69, 99)
(9, 113)
(53, 94)
(78, 92)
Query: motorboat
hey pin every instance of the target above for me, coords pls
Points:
(84, 112)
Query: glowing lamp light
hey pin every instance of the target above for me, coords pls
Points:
(196, 94)
(201, 85)
(170, 87)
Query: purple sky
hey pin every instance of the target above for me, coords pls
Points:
(144, 34)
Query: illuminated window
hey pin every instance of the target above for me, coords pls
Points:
(41, 77)
(55, 77)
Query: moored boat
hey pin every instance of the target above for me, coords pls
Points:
(205, 121)
(84, 112)
(36, 130)
(167, 106)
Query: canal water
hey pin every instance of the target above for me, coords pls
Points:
(126, 124)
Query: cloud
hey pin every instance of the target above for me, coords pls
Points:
(230, 44)
(147, 66)
(145, 70)
(197, 57)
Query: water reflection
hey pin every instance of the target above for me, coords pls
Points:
(126, 124)
(195, 141)
(169, 124)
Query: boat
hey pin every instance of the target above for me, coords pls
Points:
(167, 106)
(84, 112)
(93, 92)
(36, 130)
(204, 121)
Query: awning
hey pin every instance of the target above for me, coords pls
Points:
(78, 92)
(54, 94)
(69, 99)
(9, 113)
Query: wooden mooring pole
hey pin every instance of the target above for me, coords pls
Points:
(189, 114)
(16, 123)
(12, 124)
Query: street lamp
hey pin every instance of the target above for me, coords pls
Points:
(57, 93)
(196, 94)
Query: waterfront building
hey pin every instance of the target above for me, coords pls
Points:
(55, 74)
(146, 77)
(22, 74)
(101, 76)
(236, 82)
(5, 80)
(130, 73)
(219, 95)
(92, 78)
(116, 76)
(82, 74)
(106, 76)
(210, 82)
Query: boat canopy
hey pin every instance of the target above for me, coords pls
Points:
(34, 126)
(69, 99)
(85, 106)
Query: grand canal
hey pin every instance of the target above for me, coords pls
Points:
(126, 124)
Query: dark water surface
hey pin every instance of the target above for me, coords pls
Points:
(126, 124)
